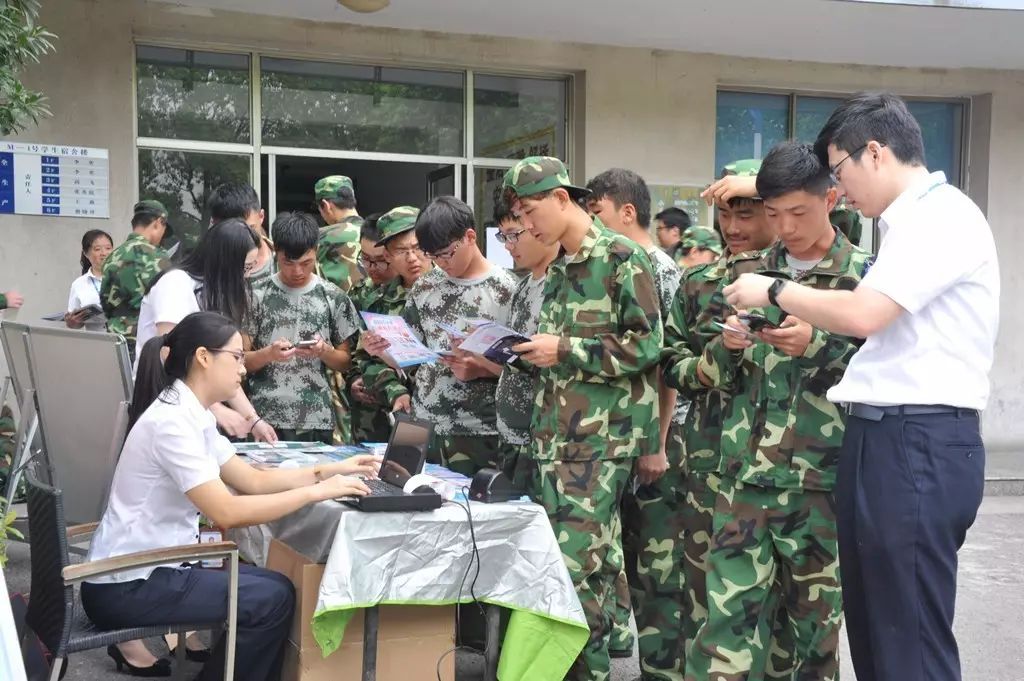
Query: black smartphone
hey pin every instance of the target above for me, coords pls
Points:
(756, 322)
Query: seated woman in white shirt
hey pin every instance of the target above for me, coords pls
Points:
(85, 290)
(212, 277)
(174, 466)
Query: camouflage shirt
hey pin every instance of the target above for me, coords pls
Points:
(455, 407)
(337, 253)
(297, 394)
(517, 385)
(601, 400)
(126, 273)
(779, 430)
(387, 299)
(666, 280)
(688, 330)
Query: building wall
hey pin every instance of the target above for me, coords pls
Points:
(653, 111)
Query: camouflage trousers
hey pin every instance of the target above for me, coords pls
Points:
(519, 464)
(652, 541)
(698, 526)
(583, 501)
(467, 454)
(770, 550)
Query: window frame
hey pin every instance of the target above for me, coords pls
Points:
(465, 165)
(793, 95)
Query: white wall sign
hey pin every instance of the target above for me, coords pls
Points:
(51, 179)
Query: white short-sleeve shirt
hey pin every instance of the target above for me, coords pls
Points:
(173, 448)
(938, 262)
(171, 300)
(84, 291)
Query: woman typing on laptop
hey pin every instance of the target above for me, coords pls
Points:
(174, 466)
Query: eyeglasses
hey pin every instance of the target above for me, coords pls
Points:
(239, 355)
(508, 237)
(445, 256)
(374, 264)
(834, 169)
(406, 251)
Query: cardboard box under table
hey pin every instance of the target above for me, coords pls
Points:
(409, 637)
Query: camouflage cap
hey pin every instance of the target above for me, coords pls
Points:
(329, 187)
(396, 221)
(748, 167)
(150, 207)
(699, 236)
(536, 174)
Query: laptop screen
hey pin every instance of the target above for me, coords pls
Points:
(406, 452)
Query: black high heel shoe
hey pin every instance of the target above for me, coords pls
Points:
(160, 668)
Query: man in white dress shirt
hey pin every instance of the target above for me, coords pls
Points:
(911, 471)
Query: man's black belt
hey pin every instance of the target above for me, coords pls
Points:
(873, 413)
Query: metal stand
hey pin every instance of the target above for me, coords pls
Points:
(371, 624)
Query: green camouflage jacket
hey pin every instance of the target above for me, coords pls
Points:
(377, 376)
(779, 430)
(455, 407)
(688, 330)
(126, 273)
(517, 385)
(269, 268)
(297, 394)
(601, 400)
(337, 253)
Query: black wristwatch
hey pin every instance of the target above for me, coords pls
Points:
(774, 290)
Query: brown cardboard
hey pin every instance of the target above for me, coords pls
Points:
(410, 638)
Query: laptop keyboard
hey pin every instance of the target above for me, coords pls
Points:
(380, 488)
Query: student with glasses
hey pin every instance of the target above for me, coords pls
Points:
(457, 393)
(670, 225)
(396, 239)
(175, 466)
(211, 277)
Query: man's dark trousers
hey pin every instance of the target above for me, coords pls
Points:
(909, 487)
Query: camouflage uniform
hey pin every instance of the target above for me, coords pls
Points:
(774, 519)
(463, 412)
(126, 273)
(517, 384)
(380, 380)
(687, 331)
(652, 538)
(848, 222)
(699, 236)
(370, 423)
(295, 395)
(597, 409)
(337, 259)
(337, 253)
(3, 301)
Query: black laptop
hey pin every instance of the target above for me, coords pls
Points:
(406, 452)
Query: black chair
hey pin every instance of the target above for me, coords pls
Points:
(56, 618)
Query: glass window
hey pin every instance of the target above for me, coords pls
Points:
(182, 181)
(518, 117)
(942, 129)
(361, 108)
(187, 94)
(748, 125)
(811, 115)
